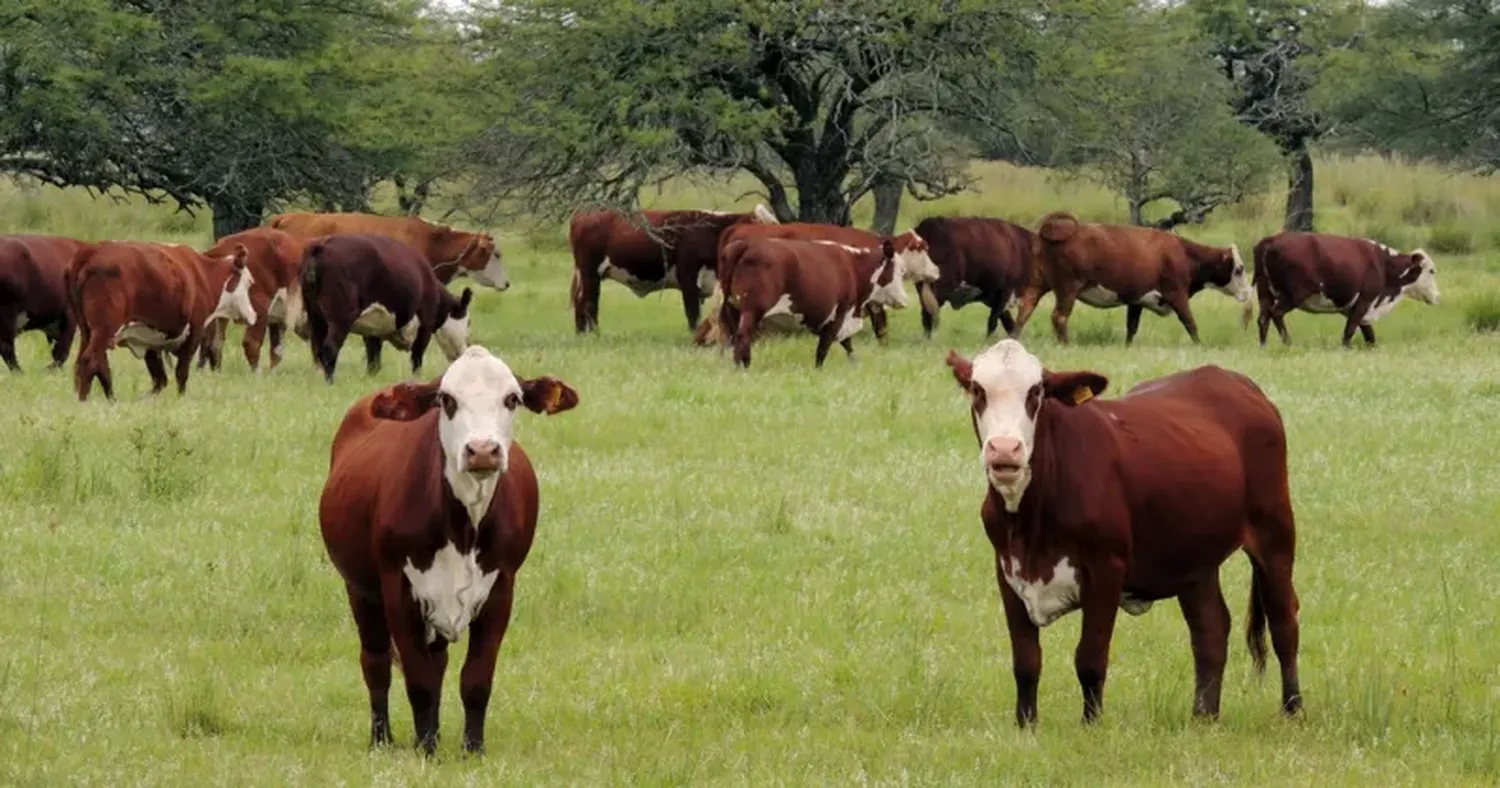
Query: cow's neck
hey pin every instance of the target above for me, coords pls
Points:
(1204, 260)
(1033, 526)
(867, 272)
(467, 499)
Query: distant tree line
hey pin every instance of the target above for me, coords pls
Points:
(543, 107)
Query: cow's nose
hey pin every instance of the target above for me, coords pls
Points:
(1002, 453)
(482, 456)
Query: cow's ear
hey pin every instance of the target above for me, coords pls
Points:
(547, 395)
(241, 254)
(963, 369)
(1073, 388)
(405, 401)
(887, 249)
(463, 302)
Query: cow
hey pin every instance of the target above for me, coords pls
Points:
(1330, 274)
(382, 290)
(152, 299)
(1100, 505)
(610, 245)
(979, 260)
(1140, 268)
(450, 252)
(32, 294)
(820, 285)
(910, 248)
(428, 513)
(276, 294)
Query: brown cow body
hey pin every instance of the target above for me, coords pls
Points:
(1106, 504)
(1330, 274)
(382, 290)
(428, 513)
(450, 253)
(979, 260)
(1140, 268)
(33, 296)
(819, 285)
(275, 258)
(608, 245)
(153, 299)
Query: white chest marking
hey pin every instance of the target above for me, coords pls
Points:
(1100, 298)
(851, 325)
(1046, 601)
(450, 592)
(1382, 307)
(139, 338)
(377, 321)
(276, 310)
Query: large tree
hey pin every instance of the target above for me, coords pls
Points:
(820, 101)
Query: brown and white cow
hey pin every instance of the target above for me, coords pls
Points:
(1330, 274)
(1140, 268)
(33, 296)
(428, 513)
(979, 260)
(1106, 504)
(275, 258)
(152, 299)
(609, 245)
(450, 252)
(911, 253)
(382, 290)
(820, 285)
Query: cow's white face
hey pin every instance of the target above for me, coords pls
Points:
(1238, 287)
(493, 274)
(234, 299)
(1425, 288)
(916, 262)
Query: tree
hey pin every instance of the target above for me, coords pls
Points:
(820, 99)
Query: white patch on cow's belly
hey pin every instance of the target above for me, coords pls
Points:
(377, 321)
(138, 338)
(781, 318)
(21, 322)
(707, 281)
(851, 325)
(1045, 601)
(640, 287)
(276, 310)
(1133, 606)
(1380, 308)
(1320, 304)
(1101, 298)
(450, 592)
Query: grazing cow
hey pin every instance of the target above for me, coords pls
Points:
(1330, 274)
(450, 252)
(608, 245)
(910, 248)
(1139, 268)
(382, 290)
(979, 260)
(276, 293)
(820, 285)
(153, 299)
(32, 294)
(1100, 505)
(428, 513)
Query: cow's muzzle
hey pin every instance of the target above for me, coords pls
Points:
(482, 457)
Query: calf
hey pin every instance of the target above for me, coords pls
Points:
(1102, 505)
(817, 284)
(1329, 274)
(1139, 268)
(428, 514)
(153, 299)
(32, 294)
(382, 290)
(979, 260)
(275, 258)
(608, 245)
(450, 253)
(910, 248)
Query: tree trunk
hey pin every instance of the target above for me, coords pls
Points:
(819, 198)
(231, 216)
(1137, 217)
(1299, 193)
(888, 191)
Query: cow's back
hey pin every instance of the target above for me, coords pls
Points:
(413, 232)
(274, 256)
(1328, 258)
(1122, 258)
(797, 231)
(984, 252)
(371, 268)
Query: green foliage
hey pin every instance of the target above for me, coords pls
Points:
(1450, 238)
(1483, 311)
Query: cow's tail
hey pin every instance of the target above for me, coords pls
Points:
(1255, 620)
(1057, 227)
(278, 222)
(1247, 309)
(1261, 286)
(312, 269)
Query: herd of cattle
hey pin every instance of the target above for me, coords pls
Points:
(430, 506)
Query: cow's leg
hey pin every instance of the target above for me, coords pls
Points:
(422, 664)
(1207, 619)
(255, 338)
(1025, 650)
(1178, 300)
(1030, 297)
(1263, 323)
(277, 334)
(878, 323)
(1279, 318)
(1354, 318)
(999, 316)
(847, 343)
(374, 662)
(93, 362)
(8, 340)
(1132, 322)
(185, 364)
(692, 297)
(1368, 332)
(1101, 603)
(329, 338)
(158, 370)
(1060, 312)
(585, 293)
(478, 675)
(211, 352)
(372, 354)
(929, 320)
(1273, 600)
(825, 342)
(744, 335)
(62, 341)
(419, 348)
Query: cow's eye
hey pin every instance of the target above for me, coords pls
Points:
(512, 401)
(1033, 399)
(976, 393)
(447, 403)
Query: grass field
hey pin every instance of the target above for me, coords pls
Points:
(772, 577)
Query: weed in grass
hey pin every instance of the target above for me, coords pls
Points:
(1482, 311)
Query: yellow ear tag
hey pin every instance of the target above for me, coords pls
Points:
(554, 398)
(1082, 394)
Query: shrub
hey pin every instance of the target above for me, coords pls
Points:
(1483, 312)
(1450, 238)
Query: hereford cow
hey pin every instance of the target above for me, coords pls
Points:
(428, 514)
(275, 293)
(820, 285)
(1100, 505)
(382, 290)
(1139, 268)
(911, 251)
(1329, 274)
(32, 294)
(608, 245)
(979, 260)
(153, 299)
(450, 252)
